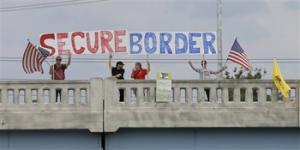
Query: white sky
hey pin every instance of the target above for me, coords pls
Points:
(265, 29)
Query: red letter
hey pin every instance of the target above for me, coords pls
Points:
(61, 43)
(74, 34)
(43, 44)
(96, 45)
(105, 41)
(118, 40)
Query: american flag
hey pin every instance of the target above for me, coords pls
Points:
(237, 55)
(33, 58)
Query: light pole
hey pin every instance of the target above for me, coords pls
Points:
(219, 34)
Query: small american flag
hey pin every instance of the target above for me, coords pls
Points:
(237, 55)
(33, 59)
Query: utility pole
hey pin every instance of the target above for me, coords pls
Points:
(219, 35)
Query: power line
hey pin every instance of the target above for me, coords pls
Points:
(45, 5)
(212, 59)
(153, 61)
(38, 4)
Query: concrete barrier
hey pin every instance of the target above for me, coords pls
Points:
(94, 105)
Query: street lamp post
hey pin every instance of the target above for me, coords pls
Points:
(219, 34)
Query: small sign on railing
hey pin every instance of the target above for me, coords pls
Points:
(163, 87)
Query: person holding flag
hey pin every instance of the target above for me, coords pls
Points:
(57, 72)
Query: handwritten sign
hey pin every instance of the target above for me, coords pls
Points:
(163, 87)
(133, 43)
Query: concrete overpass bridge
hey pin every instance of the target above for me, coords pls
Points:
(30, 107)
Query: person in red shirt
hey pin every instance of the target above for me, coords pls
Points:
(139, 73)
(57, 72)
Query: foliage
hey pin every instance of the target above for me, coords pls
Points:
(238, 74)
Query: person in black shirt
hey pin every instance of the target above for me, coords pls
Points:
(117, 72)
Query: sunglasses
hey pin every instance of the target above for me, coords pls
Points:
(58, 59)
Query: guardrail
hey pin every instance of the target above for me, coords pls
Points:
(37, 104)
(95, 104)
(228, 103)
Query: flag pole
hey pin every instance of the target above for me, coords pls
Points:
(226, 62)
(147, 64)
(53, 71)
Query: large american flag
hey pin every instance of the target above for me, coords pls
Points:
(33, 58)
(237, 55)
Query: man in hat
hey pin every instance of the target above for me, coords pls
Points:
(57, 72)
(117, 72)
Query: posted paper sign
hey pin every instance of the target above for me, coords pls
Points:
(133, 43)
(164, 87)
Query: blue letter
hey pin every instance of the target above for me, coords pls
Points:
(192, 42)
(209, 44)
(132, 43)
(164, 43)
(180, 36)
(151, 35)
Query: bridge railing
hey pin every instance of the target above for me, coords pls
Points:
(95, 104)
(195, 92)
(34, 95)
(194, 103)
(46, 104)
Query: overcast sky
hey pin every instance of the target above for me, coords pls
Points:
(264, 28)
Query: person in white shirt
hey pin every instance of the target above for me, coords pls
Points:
(205, 74)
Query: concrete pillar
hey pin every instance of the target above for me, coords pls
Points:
(96, 98)
(236, 95)
(213, 95)
(225, 95)
(298, 97)
(249, 95)
(189, 95)
(96, 94)
(262, 95)
(110, 98)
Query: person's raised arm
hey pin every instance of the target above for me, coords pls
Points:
(69, 59)
(190, 63)
(219, 71)
(132, 73)
(110, 62)
(51, 70)
(148, 66)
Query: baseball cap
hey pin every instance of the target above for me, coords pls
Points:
(58, 58)
(120, 63)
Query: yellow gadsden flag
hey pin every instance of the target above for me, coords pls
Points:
(279, 82)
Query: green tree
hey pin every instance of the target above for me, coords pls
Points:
(238, 74)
